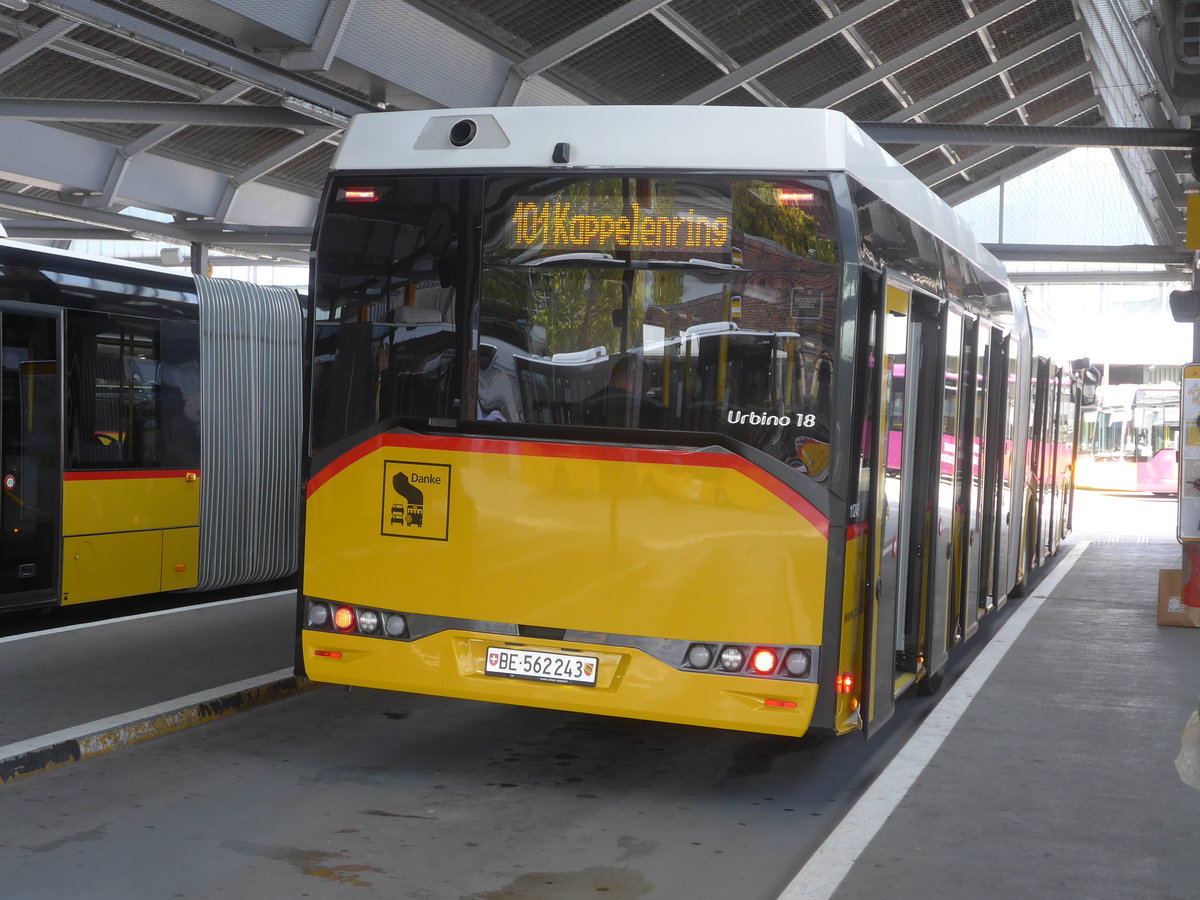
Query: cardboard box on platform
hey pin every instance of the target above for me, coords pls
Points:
(1171, 608)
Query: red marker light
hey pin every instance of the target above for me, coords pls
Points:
(763, 661)
(794, 198)
(358, 195)
(343, 618)
(782, 704)
(332, 654)
(845, 683)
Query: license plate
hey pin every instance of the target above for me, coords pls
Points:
(537, 665)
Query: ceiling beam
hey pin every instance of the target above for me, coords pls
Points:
(1004, 64)
(995, 149)
(152, 138)
(153, 113)
(216, 236)
(267, 165)
(869, 57)
(1130, 253)
(589, 34)
(939, 41)
(1031, 135)
(76, 50)
(793, 48)
(576, 41)
(319, 56)
(155, 32)
(1157, 276)
(989, 45)
(687, 32)
(27, 46)
(80, 167)
(64, 231)
(1002, 109)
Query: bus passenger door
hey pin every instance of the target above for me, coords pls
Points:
(30, 455)
(984, 466)
(1005, 481)
(904, 470)
(952, 534)
(1050, 466)
(1033, 520)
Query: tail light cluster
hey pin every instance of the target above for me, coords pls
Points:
(742, 659)
(345, 619)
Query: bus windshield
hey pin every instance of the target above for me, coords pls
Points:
(701, 304)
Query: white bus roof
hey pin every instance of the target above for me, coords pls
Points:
(656, 138)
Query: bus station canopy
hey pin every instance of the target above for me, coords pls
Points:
(213, 122)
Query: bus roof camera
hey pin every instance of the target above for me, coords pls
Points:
(463, 132)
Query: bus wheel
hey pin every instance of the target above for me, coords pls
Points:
(930, 684)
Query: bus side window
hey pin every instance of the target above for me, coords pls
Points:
(114, 413)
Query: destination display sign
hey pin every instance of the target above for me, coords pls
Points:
(608, 226)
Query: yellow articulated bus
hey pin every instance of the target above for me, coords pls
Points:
(702, 415)
(150, 430)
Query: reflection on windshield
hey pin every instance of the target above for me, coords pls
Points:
(663, 304)
(702, 304)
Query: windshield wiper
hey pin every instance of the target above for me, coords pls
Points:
(583, 259)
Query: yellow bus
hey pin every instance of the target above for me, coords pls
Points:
(644, 412)
(150, 427)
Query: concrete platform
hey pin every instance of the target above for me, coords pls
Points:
(70, 693)
(1058, 780)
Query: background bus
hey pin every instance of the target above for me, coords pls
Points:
(1130, 440)
(149, 429)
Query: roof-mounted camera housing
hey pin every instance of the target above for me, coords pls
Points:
(463, 132)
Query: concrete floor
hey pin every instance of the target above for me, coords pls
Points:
(1059, 780)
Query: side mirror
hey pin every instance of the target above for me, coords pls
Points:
(1089, 377)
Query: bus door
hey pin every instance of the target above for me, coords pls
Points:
(904, 471)
(1050, 464)
(1034, 466)
(952, 534)
(988, 378)
(1008, 482)
(30, 454)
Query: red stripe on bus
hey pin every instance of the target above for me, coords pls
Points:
(706, 458)
(129, 474)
